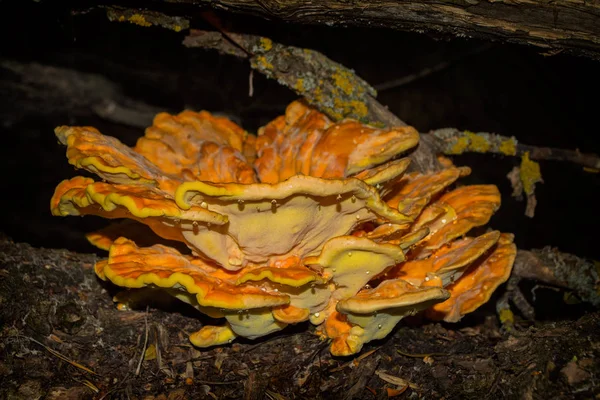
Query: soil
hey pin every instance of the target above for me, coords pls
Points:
(62, 337)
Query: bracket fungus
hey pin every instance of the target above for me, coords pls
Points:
(310, 220)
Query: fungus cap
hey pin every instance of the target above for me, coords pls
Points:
(478, 283)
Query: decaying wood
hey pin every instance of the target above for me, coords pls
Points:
(564, 25)
(62, 337)
(548, 266)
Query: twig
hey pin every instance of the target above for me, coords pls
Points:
(62, 357)
(355, 361)
(451, 141)
(139, 366)
(88, 384)
(420, 355)
(395, 380)
(219, 383)
(588, 160)
(251, 83)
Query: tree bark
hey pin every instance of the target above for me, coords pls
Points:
(563, 25)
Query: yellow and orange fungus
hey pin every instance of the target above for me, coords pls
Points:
(310, 220)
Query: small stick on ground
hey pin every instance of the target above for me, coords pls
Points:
(139, 366)
(59, 355)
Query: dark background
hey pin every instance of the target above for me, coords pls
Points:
(56, 65)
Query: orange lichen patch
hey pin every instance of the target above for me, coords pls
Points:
(110, 159)
(290, 314)
(307, 142)
(133, 267)
(270, 222)
(197, 145)
(455, 214)
(476, 286)
(414, 191)
(447, 263)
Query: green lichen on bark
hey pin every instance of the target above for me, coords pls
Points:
(330, 86)
(147, 18)
(456, 142)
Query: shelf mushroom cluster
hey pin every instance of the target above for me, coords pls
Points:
(310, 220)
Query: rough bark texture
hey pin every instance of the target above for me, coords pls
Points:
(61, 337)
(570, 25)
